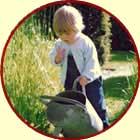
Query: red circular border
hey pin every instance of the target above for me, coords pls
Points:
(45, 6)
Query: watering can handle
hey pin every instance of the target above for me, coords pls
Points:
(75, 86)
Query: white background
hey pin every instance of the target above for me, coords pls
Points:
(11, 12)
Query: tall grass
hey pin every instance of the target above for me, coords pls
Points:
(24, 78)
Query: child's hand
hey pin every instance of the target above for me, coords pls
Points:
(83, 80)
(60, 55)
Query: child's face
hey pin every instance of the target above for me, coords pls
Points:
(69, 38)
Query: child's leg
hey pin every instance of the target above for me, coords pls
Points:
(95, 95)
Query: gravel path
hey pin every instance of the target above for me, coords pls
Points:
(116, 69)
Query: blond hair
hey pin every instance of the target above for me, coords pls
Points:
(67, 19)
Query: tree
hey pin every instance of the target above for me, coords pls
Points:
(104, 38)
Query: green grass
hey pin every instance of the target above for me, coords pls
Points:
(25, 81)
(118, 87)
(122, 56)
(118, 93)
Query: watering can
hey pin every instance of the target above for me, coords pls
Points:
(68, 113)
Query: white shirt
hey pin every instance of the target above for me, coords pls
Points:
(85, 56)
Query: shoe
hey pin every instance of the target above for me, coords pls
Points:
(105, 125)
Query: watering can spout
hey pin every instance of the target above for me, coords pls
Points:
(45, 100)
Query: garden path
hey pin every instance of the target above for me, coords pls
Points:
(115, 69)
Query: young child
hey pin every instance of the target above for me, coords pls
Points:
(77, 56)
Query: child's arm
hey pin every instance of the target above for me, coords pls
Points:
(92, 67)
